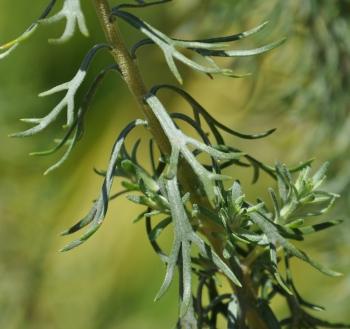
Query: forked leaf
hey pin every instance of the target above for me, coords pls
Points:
(179, 143)
(72, 13)
(98, 212)
(278, 240)
(184, 236)
(206, 48)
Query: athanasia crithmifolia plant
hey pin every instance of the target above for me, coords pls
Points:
(218, 232)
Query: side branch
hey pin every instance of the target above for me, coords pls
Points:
(187, 177)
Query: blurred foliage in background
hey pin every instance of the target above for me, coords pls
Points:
(302, 89)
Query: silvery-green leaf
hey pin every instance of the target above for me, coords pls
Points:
(72, 13)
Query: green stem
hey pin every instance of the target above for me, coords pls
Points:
(130, 71)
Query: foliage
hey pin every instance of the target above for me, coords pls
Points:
(217, 230)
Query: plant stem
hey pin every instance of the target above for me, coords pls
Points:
(130, 71)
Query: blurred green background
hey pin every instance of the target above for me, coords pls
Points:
(301, 88)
